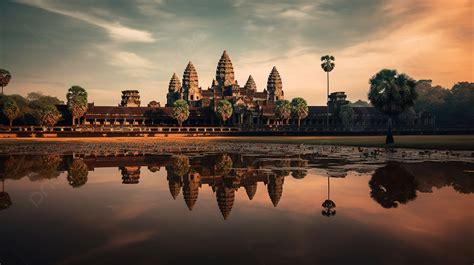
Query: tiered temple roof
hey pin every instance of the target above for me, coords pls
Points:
(191, 83)
(275, 188)
(250, 85)
(274, 85)
(225, 200)
(225, 71)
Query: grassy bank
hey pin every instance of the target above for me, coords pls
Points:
(451, 142)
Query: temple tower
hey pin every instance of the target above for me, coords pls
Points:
(274, 86)
(192, 182)
(225, 71)
(175, 91)
(191, 89)
(250, 86)
(130, 98)
(250, 188)
(225, 199)
(275, 188)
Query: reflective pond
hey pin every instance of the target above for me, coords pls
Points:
(234, 208)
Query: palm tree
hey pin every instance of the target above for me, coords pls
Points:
(46, 114)
(299, 109)
(328, 204)
(5, 77)
(224, 110)
(77, 173)
(283, 109)
(327, 65)
(11, 110)
(392, 94)
(76, 102)
(180, 111)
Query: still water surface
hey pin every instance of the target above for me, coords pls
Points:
(234, 208)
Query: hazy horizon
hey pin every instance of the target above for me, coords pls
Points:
(109, 46)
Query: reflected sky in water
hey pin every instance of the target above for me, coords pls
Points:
(233, 209)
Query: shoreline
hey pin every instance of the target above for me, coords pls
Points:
(435, 142)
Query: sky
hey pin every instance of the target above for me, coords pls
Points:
(107, 46)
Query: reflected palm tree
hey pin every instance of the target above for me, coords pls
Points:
(329, 205)
(5, 200)
(77, 173)
(223, 165)
(392, 184)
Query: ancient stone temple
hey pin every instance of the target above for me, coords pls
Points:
(274, 86)
(191, 89)
(251, 108)
(130, 98)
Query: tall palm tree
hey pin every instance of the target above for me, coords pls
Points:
(283, 109)
(327, 65)
(11, 110)
(299, 109)
(180, 111)
(76, 102)
(392, 94)
(224, 110)
(5, 77)
(328, 204)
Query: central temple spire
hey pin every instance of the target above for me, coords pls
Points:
(225, 71)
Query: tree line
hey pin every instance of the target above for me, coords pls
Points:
(41, 109)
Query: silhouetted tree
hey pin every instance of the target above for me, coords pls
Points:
(392, 94)
(5, 77)
(327, 65)
(392, 184)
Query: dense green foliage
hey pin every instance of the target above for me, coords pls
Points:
(224, 110)
(450, 107)
(11, 110)
(180, 111)
(46, 114)
(392, 94)
(283, 109)
(76, 102)
(299, 109)
(27, 109)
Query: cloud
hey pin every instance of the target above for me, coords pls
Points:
(115, 30)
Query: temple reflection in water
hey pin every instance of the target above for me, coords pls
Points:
(391, 184)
